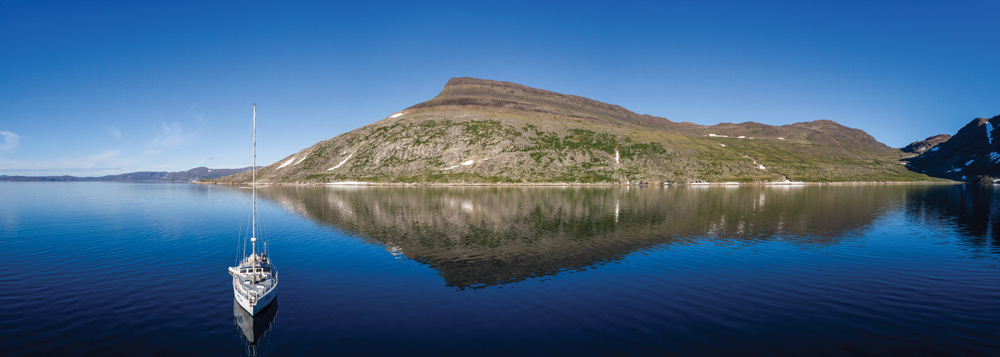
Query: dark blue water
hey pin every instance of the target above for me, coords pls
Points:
(135, 269)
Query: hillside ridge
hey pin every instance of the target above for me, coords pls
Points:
(483, 131)
(195, 174)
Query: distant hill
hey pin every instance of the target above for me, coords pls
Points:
(919, 147)
(482, 131)
(972, 154)
(195, 174)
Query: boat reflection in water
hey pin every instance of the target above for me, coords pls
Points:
(253, 327)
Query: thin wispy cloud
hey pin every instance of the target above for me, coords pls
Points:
(9, 140)
(171, 135)
(102, 157)
(114, 131)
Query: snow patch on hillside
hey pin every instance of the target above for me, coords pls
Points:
(289, 162)
(989, 131)
(464, 163)
(341, 163)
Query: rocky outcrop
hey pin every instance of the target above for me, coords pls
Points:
(972, 154)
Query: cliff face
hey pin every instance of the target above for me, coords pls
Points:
(973, 154)
(481, 131)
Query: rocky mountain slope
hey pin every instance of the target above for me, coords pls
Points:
(481, 131)
(973, 154)
(195, 174)
(919, 147)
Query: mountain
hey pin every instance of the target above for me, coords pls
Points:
(919, 147)
(482, 131)
(195, 174)
(973, 154)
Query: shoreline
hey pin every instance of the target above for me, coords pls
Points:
(561, 184)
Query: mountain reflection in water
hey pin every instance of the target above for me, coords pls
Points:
(482, 236)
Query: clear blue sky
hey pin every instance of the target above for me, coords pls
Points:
(91, 87)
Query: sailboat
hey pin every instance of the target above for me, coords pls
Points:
(255, 280)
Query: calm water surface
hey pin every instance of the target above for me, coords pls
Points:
(130, 269)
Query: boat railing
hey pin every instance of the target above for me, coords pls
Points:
(253, 294)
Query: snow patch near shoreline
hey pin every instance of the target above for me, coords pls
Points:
(786, 182)
(348, 183)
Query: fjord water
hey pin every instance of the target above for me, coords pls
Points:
(128, 269)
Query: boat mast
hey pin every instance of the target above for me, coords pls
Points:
(253, 215)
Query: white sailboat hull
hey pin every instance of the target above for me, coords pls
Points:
(249, 304)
